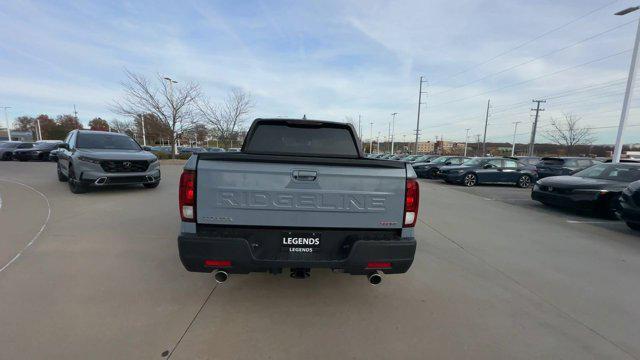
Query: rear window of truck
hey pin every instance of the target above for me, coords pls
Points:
(284, 139)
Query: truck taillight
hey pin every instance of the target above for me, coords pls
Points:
(411, 203)
(187, 195)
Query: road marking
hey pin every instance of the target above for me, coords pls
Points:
(44, 225)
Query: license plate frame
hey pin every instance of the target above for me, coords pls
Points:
(301, 241)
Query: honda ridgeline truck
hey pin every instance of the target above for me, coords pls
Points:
(299, 195)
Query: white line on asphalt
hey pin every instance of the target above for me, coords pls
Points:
(587, 222)
(44, 225)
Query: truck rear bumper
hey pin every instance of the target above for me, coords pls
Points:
(195, 249)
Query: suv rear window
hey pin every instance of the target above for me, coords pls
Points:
(286, 139)
(105, 141)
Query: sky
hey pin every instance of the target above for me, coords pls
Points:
(334, 60)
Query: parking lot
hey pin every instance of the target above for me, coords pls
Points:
(496, 276)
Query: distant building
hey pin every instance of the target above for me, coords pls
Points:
(16, 135)
(426, 147)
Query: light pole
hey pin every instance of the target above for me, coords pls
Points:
(617, 150)
(39, 130)
(515, 128)
(170, 83)
(6, 119)
(393, 129)
(371, 139)
(144, 135)
(466, 141)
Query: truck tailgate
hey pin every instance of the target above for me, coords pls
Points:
(246, 193)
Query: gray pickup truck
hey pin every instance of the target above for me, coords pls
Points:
(299, 195)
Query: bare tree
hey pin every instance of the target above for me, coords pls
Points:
(172, 105)
(568, 133)
(122, 126)
(226, 119)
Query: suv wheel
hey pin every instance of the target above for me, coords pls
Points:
(470, 180)
(74, 184)
(61, 176)
(524, 181)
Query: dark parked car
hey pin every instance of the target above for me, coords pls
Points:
(424, 159)
(597, 188)
(527, 160)
(431, 169)
(214, 149)
(398, 157)
(630, 205)
(39, 151)
(556, 166)
(53, 155)
(190, 150)
(490, 170)
(7, 148)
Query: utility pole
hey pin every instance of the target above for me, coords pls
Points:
(378, 142)
(478, 144)
(393, 129)
(6, 119)
(486, 122)
(144, 136)
(371, 139)
(532, 142)
(420, 92)
(466, 141)
(515, 128)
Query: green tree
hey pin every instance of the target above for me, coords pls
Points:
(48, 128)
(99, 124)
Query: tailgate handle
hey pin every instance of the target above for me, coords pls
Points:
(304, 175)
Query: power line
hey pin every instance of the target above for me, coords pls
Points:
(521, 45)
(536, 78)
(508, 109)
(539, 57)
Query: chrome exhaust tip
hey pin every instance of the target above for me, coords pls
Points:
(375, 278)
(101, 180)
(221, 276)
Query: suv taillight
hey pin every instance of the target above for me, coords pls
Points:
(187, 195)
(411, 203)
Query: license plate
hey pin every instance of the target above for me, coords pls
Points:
(300, 242)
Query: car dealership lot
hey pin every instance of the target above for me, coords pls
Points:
(496, 275)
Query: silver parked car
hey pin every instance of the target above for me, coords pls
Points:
(97, 158)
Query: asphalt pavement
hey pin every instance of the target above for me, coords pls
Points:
(496, 276)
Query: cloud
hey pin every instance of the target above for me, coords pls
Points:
(327, 60)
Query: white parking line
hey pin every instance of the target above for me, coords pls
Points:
(587, 222)
(44, 225)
